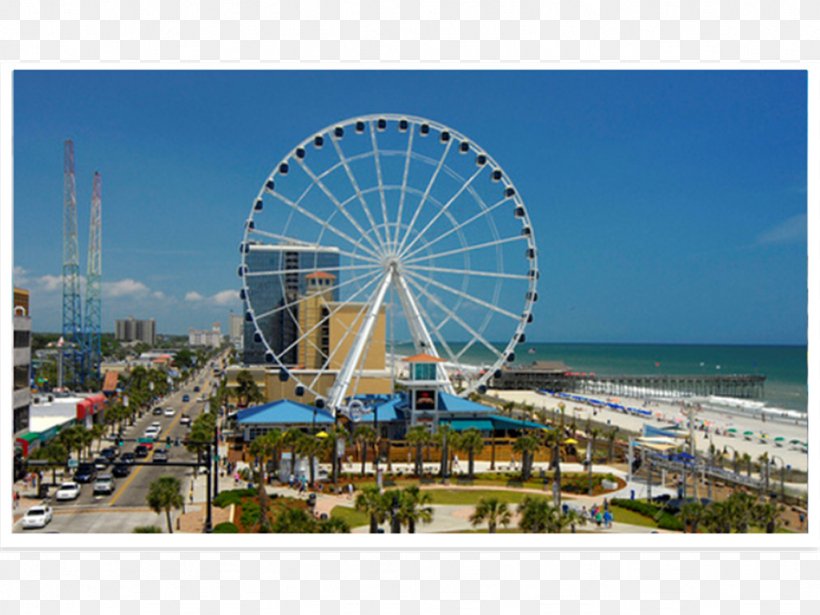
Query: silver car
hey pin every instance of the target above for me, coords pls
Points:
(104, 484)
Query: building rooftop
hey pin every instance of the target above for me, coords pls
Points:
(283, 412)
(320, 275)
(423, 358)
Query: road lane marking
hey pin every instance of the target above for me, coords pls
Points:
(133, 475)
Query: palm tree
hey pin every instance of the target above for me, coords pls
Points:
(445, 437)
(414, 507)
(593, 433)
(247, 390)
(767, 516)
(610, 437)
(717, 518)
(164, 495)
(55, 453)
(291, 438)
(419, 436)
(336, 433)
(97, 432)
(553, 439)
(310, 446)
(526, 445)
(508, 408)
(740, 510)
(539, 516)
(692, 514)
(747, 459)
(492, 510)
(261, 448)
(364, 435)
(373, 502)
(763, 460)
(472, 442)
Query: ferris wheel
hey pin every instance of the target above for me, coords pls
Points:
(386, 231)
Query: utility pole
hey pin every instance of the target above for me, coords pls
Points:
(689, 412)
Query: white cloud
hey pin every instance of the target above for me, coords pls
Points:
(790, 230)
(221, 298)
(124, 288)
(49, 283)
(158, 294)
(225, 297)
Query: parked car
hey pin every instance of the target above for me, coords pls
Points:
(67, 491)
(186, 398)
(121, 470)
(127, 458)
(157, 411)
(170, 412)
(104, 484)
(85, 473)
(160, 456)
(101, 463)
(37, 516)
(141, 451)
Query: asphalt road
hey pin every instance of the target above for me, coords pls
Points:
(127, 508)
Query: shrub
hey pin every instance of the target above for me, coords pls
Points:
(226, 528)
(234, 496)
(147, 529)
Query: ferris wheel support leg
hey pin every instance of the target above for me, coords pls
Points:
(421, 336)
(343, 380)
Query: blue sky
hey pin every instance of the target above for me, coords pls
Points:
(668, 206)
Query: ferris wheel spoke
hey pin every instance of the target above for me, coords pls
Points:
(458, 227)
(339, 345)
(377, 162)
(318, 181)
(407, 157)
(365, 354)
(424, 197)
(456, 318)
(463, 295)
(437, 332)
(330, 314)
(345, 163)
(308, 244)
(291, 304)
(477, 246)
(473, 272)
(252, 274)
(325, 224)
(441, 211)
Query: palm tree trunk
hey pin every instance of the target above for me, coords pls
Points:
(492, 458)
(292, 459)
(491, 527)
(411, 526)
(374, 525)
(168, 520)
(389, 463)
(364, 456)
(471, 464)
(311, 461)
(419, 463)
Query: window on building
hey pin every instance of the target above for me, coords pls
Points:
(424, 371)
(22, 339)
(21, 376)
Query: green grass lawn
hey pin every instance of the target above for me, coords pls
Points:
(622, 515)
(465, 497)
(353, 517)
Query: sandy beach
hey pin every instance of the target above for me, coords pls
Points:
(665, 413)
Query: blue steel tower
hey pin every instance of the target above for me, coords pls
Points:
(93, 301)
(72, 310)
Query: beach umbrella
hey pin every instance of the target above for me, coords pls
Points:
(732, 430)
(779, 439)
(794, 442)
(570, 441)
(322, 434)
(748, 433)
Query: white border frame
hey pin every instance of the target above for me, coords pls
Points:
(358, 542)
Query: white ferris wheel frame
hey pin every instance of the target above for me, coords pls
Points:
(394, 258)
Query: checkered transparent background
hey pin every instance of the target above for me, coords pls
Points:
(391, 581)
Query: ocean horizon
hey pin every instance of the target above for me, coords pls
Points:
(785, 366)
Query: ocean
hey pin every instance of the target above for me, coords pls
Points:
(785, 367)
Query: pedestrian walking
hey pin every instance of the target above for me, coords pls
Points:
(607, 519)
(17, 500)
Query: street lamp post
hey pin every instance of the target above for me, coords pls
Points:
(376, 430)
(782, 475)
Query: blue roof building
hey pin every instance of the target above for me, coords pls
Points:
(281, 414)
